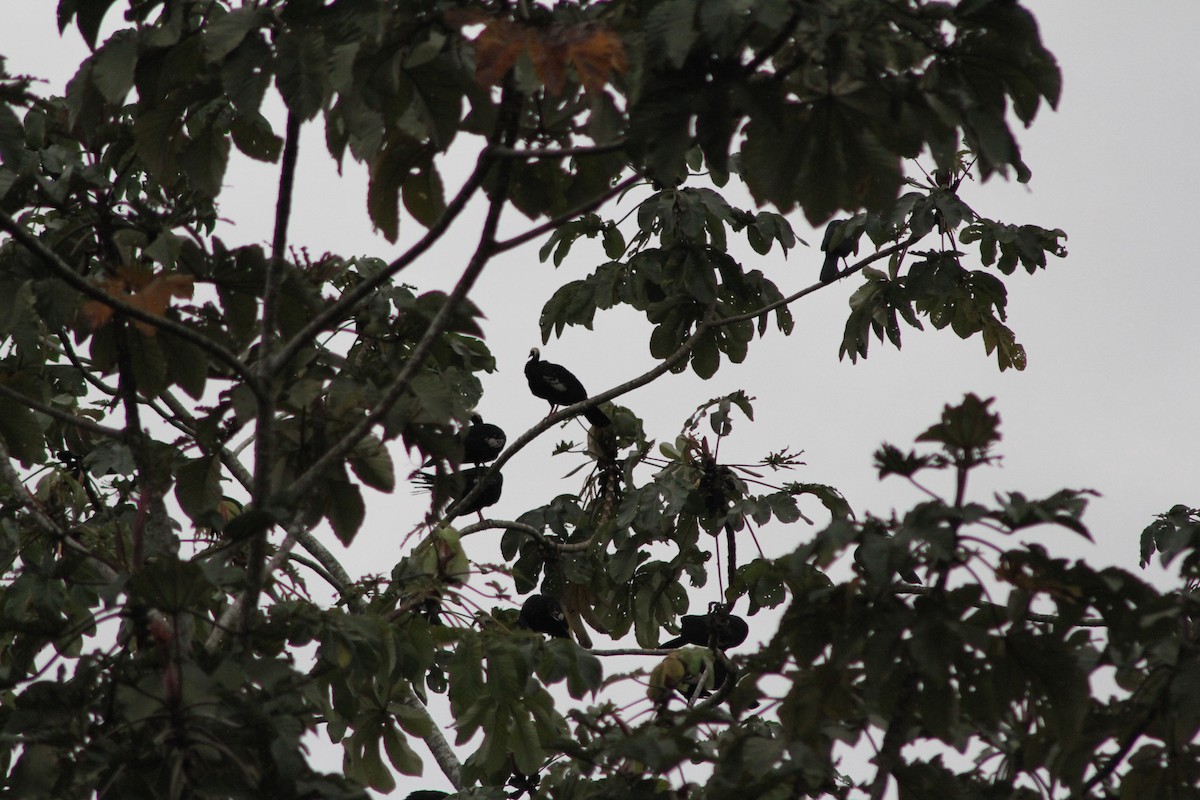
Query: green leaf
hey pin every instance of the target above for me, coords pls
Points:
(21, 432)
(252, 135)
(171, 585)
(198, 486)
(224, 32)
(302, 71)
(671, 29)
(423, 195)
(372, 464)
(705, 356)
(187, 364)
(389, 171)
(113, 66)
(12, 138)
(204, 159)
(346, 510)
(400, 754)
(88, 15)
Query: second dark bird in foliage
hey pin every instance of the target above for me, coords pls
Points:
(712, 629)
(482, 442)
(835, 252)
(488, 496)
(555, 384)
(544, 615)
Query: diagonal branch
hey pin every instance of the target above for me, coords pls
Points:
(64, 271)
(578, 211)
(578, 408)
(238, 606)
(791, 298)
(83, 423)
(505, 130)
(529, 530)
(352, 297)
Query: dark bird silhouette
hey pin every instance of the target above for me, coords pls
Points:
(483, 441)
(721, 630)
(843, 249)
(544, 615)
(488, 496)
(555, 384)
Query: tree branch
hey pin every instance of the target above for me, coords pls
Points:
(64, 271)
(437, 326)
(238, 606)
(9, 473)
(235, 467)
(578, 408)
(352, 297)
(62, 416)
(264, 438)
(791, 298)
(583, 208)
(894, 738)
(558, 152)
(442, 753)
(504, 524)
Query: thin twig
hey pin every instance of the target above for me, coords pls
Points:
(558, 152)
(339, 309)
(578, 408)
(791, 298)
(578, 211)
(231, 612)
(82, 423)
(504, 524)
(437, 326)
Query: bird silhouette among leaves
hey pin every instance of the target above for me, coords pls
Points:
(544, 615)
(482, 441)
(457, 486)
(844, 248)
(555, 384)
(718, 628)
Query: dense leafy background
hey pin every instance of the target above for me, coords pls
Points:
(669, 262)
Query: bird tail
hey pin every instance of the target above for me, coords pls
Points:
(671, 644)
(829, 270)
(597, 417)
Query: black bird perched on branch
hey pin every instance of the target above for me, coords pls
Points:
(483, 441)
(458, 485)
(717, 628)
(544, 615)
(555, 384)
(488, 496)
(833, 253)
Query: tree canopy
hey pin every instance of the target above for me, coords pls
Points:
(185, 423)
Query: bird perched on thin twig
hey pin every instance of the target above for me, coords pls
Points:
(846, 246)
(715, 629)
(555, 384)
(482, 442)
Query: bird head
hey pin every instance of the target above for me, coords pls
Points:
(476, 419)
(535, 354)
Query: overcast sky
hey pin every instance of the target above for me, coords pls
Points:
(1108, 401)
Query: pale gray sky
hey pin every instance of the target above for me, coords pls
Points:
(1107, 402)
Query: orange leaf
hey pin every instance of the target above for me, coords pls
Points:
(497, 49)
(154, 297)
(593, 50)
